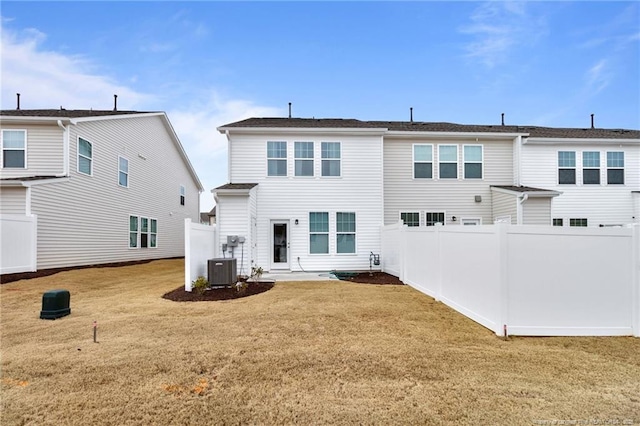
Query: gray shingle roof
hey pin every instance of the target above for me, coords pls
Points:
(522, 188)
(63, 113)
(237, 186)
(415, 126)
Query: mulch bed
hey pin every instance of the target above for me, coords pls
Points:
(181, 295)
(380, 278)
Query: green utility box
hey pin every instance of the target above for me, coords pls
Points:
(55, 304)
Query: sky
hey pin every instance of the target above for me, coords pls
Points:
(209, 63)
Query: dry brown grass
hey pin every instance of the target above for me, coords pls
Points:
(305, 352)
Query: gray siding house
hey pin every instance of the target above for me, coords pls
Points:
(105, 186)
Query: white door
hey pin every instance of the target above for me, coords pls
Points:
(279, 244)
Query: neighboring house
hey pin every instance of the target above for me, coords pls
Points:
(106, 186)
(208, 218)
(312, 194)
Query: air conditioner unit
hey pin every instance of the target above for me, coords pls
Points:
(222, 271)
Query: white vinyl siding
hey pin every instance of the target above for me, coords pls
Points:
(318, 232)
(85, 157)
(422, 161)
(14, 149)
(44, 150)
(536, 211)
(331, 159)
(276, 158)
(448, 161)
(123, 172)
(303, 152)
(13, 200)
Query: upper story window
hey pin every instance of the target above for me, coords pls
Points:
(318, 232)
(591, 168)
(276, 158)
(615, 168)
(345, 232)
(14, 149)
(448, 161)
(183, 194)
(472, 161)
(123, 172)
(85, 157)
(330, 158)
(303, 152)
(410, 218)
(422, 161)
(566, 167)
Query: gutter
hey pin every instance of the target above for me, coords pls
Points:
(521, 200)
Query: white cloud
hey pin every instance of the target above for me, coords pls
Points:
(598, 77)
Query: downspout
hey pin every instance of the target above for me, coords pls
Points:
(517, 163)
(521, 200)
(65, 149)
(226, 133)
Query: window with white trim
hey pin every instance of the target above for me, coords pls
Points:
(133, 231)
(183, 195)
(14, 149)
(578, 222)
(566, 167)
(431, 218)
(422, 161)
(85, 157)
(558, 221)
(330, 153)
(276, 158)
(143, 232)
(318, 232)
(123, 172)
(303, 153)
(410, 218)
(615, 168)
(473, 157)
(590, 168)
(448, 161)
(345, 232)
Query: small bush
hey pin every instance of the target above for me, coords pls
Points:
(200, 285)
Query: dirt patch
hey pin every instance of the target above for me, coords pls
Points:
(380, 278)
(181, 295)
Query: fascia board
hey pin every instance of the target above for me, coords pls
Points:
(13, 119)
(454, 135)
(304, 130)
(115, 117)
(533, 194)
(231, 192)
(29, 183)
(579, 141)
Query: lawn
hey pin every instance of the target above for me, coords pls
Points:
(304, 352)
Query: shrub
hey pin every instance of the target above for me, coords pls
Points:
(200, 285)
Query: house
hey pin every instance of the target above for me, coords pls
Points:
(208, 218)
(105, 186)
(312, 194)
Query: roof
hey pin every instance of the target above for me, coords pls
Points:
(236, 186)
(527, 190)
(64, 113)
(416, 126)
(31, 180)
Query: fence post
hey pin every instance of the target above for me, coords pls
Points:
(403, 249)
(438, 261)
(187, 254)
(635, 279)
(34, 243)
(503, 273)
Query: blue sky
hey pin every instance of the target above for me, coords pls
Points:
(210, 63)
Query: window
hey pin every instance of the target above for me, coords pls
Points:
(143, 232)
(330, 158)
(318, 232)
(303, 158)
(577, 222)
(276, 158)
(448, 161)
(558, 222)
(434, 217)
(423, 161)
(14, 149)
(472, 161)
(123, 172)
(183, 194)
(410, 218)
(590, 168)
(85, 157)
(566, 167)
(615, 168)
(345, 232)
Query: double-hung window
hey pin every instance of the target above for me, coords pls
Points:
(330, 158)
(590, 168)
(276, 158)
(410, 218)
(14, 149)
(345, 232)
(566, 167)
(422, 161)
(143, 232)
(448, 161)
(615, 168)
(123, 172)
(303, 152)
(133, 231)
(85, 157)
(434, 217)
(183, 194)
(472, 161)
(318, 232)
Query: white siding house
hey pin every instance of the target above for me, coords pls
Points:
(106, 186)
(311, 194)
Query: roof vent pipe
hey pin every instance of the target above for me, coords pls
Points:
(18, 96)
(592, 123)
(289, 109)
(115, 102)
(411, 113)
(502, 118)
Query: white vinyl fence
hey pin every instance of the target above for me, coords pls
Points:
(18, 243)
(525, 280)
(199, 246)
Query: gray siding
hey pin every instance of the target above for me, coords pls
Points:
(456, 197)
(86, 220)
(44, 151)
(536, 211)
(504, 205)
(13, 200)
